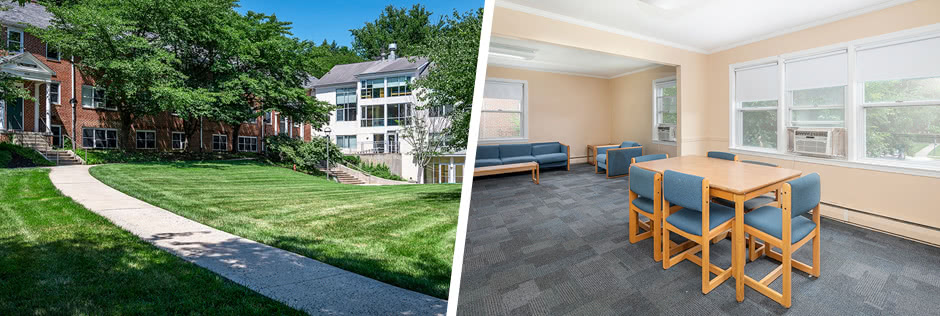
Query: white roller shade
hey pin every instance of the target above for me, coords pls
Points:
(760, 83)
(914, 59)
(503, 90)
(821, 71)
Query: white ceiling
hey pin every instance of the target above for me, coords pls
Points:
(563, 59)
(705, 26)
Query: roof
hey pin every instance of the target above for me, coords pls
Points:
(349, 73)
(29, 14)
(311, 82)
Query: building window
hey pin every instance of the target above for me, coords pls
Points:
(94, 98)
(219, 142)
(14, 40)
(373, 88)
(664, 109)
(146, 139)
(179, 141)
(346, 105)
(283, 127)
(52, 53)
(756, 100)
(815, 88)
(503, 113)
(399, 114)
(899, 101)
(267, 117)
(247, 143)
(346, 141)
(54, 93)
(440, 111)
(373, 115)
(399, 86)
(99, 138)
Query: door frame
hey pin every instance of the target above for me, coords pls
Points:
(22, 116)
(388, 141)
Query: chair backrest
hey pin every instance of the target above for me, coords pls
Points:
(629, 144)
(650, 157)
(684, 190)
(546, 148)
(755, 162)
(804, 194)
(487, 152)
(642, 182)
(515, 150)
(722, 155)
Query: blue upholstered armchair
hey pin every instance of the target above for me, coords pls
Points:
(615, 160)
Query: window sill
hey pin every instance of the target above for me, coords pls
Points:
(867, 164)
(504, 140)
(662, 142)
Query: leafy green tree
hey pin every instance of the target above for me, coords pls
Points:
(450, 81)
(406, 27)
(116, 49)
(323, 57)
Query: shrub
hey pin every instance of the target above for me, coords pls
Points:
(102, 156)
(305, 155)
(22, 156)
(5, 158)
(379, 170)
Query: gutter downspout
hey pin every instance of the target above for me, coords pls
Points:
(74, 139)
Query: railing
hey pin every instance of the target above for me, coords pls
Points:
(378, 147)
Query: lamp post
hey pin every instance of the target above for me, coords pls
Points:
(327, 130)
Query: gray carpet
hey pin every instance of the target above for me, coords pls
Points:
(561, 248)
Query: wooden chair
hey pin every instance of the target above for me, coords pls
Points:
(787, 229)
(646, 196)
(688, 211)
(648, 158)
(723, 155)
(615, 160)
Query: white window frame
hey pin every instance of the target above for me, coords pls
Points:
(145, 131)
(658, 85)
(854, 109)
(94, 104)
(117, 138)
(224, 147)
(22, 39)
(183, 143)
(59, 57)
(524, 114)
(252, 143)
(346, 138)
(58, 92)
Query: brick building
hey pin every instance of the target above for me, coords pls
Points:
(55, 83)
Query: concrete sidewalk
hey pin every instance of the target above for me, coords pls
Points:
(298, 281)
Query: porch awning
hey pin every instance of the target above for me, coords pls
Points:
(25, 65)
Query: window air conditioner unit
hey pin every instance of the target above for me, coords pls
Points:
(666, 133)
(821, 142)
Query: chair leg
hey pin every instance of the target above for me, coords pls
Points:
(665, 249)
(706, 265)
(751, 248)
(787, 275)
(657, 242)
(633, 218)
(816, 245)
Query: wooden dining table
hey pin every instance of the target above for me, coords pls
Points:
(734, 181)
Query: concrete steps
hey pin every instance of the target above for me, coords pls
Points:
(40, 143)
(346, 178)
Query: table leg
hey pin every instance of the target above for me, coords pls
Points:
(538, 176)
(738, 251)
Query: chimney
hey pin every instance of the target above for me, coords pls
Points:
(382, 57)
(392, 48)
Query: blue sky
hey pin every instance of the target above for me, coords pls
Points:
(332, 20)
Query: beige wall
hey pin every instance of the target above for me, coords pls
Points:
(703, 105)
(632, 103)
(574, 110)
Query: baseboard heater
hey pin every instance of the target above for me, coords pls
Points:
(844, 220)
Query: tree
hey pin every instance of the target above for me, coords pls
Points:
(117, 50)
(407, 28)
(426, 137)
(322, 58)
(450, 81)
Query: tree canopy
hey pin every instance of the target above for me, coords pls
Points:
(406, 27)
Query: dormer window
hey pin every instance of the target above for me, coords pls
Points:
(14, 40)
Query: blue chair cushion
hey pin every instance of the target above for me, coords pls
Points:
(683, 189)
(550, 158)
(749, 204)
(511, 160)
(487, 162)
(721, 155)
(690, 221)
(755, 162)
(804, 194)
(644, 204)
(545, 148)
(515, 150)
(642, 181)
(601, 159)
(487, 152)
(649, 157)
(769, 219)
(629, 144)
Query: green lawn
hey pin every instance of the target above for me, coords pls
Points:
(935, 153)
(56, 257)
(403, 235)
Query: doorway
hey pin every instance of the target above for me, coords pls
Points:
(378, 143)
(15, 115)
(392, 142)
(56, 136)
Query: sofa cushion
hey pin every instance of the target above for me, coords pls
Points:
(515, 150)
(487, 152)
(487, 162)
(518, 159)
(690, 221)
(550, 158)
(601, 159)
(769, 219)
(629, 144)
(545, 148)
(644, 204)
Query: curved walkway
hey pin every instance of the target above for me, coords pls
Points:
(298, 281)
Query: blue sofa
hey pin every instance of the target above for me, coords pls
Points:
(548, 155)
(615, 160)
